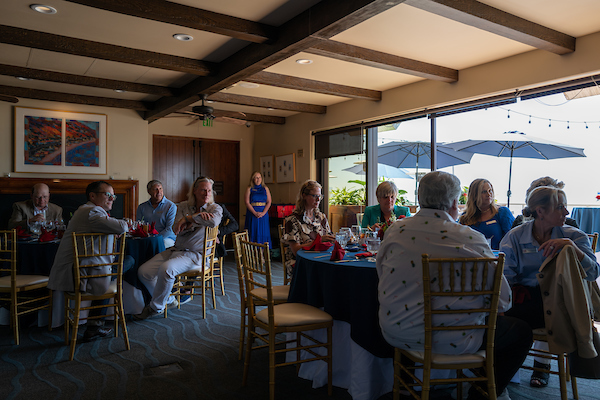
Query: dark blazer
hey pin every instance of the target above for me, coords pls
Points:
(228, 225)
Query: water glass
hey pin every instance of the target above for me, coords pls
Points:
(373, 245)
(356, 231)
(341, 238)
(36, 228)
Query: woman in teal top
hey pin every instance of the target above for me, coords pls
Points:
(376, 215)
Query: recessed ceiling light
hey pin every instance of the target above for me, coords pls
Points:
(209, 101)
(183, 37)
(22, 78)
(304, 61)
(41, 8)
(119, 90)
(270, 109)
(248, 85)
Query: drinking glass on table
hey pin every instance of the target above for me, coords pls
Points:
(373, 245)
(36, 227)
(356, 231)
(341, 238)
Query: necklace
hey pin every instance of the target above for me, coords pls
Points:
(539, 239)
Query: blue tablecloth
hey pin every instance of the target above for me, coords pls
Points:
(588, 218)
(345, 290)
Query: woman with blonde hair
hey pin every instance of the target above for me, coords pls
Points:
(258, 202)
(483, 215)
(380, 214)
(306, 222)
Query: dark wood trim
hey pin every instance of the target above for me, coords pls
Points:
(323, 20)
(490, 19)
(267, 103)
(309, 85)
(378, 59)
(51, 76)
(125, 188)
(103, 51)
(73, 98)
(269, 119)
(189, 17)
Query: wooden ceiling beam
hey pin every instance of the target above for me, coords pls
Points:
(490, 19)
(267, 103)
(80, 80)
(269, 119)
(323, 20)
(378, 59)
(72, 98)
(103, 51)
(189, 17)
(309, 85)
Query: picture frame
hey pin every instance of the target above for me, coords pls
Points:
(266, 169)
(286, 168)
(49, 141)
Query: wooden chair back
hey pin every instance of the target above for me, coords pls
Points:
(283, 246)
(593, 240)
(257, 273)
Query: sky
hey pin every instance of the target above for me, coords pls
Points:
(551, 118)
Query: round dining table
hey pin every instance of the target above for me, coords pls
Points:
(347, 290)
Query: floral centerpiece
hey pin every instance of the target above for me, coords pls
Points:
(387, 224)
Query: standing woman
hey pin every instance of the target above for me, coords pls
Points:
(483, 215)
(258, 202)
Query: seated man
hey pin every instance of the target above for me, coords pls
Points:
(158, 273)
(160, 210)
(90, 217)
(400, 280)
(37, 209)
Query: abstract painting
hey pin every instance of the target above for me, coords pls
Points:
(50, 141)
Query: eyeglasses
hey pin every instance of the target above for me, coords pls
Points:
(109, 195)
(316, 196)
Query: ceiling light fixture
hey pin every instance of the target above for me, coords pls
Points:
(304, 61)
(22, 78)
(183, 37)
(41, 8)
(119, 90)
(270, 109)
(248, 85)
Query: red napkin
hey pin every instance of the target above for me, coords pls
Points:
(47, 236)
(317, 245)
(338, 252)
(22, 233)
(365, 254)
(152, 230)
(139, 232)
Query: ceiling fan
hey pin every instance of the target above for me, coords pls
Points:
(207, 115)
(10, 99)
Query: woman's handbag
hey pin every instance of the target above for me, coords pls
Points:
(588, 368)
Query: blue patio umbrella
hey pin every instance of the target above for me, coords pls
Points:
(516, 144)
(417, 154)
(382, 170)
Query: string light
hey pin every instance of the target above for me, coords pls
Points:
(532, 117)
(550, 124)
(508, 116)
(568, 125)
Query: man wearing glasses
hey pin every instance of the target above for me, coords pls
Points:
(38, 209)
(90, 217)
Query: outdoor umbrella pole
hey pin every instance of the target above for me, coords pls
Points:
(509, 176)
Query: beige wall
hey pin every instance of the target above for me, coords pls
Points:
(523, 71)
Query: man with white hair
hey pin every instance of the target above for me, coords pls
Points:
(193, 216)
(434, 230)
(36, 209)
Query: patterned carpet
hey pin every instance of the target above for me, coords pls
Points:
(182, 356)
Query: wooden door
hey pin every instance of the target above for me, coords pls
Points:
(178, 161)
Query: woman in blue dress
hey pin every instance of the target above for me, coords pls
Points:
(258, 202)
(483, 215)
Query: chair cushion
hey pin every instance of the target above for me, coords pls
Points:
(279, 292)
(450, 359)
(294, 314)
(23, 280)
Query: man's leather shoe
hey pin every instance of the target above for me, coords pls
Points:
(100, 332)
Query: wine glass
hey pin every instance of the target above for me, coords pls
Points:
(356, 231)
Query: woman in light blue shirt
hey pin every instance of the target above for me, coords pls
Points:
(527, 246)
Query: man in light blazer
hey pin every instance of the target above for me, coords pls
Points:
(37, 209)
(92, 217)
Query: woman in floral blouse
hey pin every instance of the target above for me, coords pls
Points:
(303, 225)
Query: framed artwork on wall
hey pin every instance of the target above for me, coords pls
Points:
(286, 168)
(48, 141)
(266, 169)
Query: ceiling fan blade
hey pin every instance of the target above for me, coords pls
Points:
(230, 120)
(195, 120)
(10, 99)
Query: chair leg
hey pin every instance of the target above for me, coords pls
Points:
(330, 360)
(249, 340)
(203, 298)
(50, 304)
(221, 276)
(14, 318)
(75, 328)
(396, 390)
(562, 377)
(272, 367)
(243, 313)
(121, 317)
(212, 289)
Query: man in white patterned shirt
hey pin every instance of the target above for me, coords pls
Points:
(433, 230)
